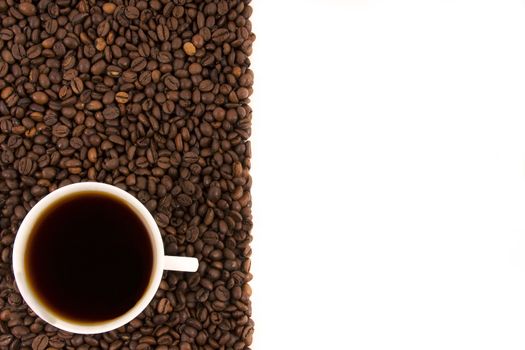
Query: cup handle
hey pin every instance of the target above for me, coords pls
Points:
(180, 263)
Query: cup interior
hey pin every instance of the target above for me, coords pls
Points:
(31, 296)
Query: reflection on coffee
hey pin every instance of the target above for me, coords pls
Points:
(89, 257)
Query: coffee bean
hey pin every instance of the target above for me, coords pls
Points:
(91, 340)
(110, 112)
(19, 331)
(151, 96)
(48, 173)
(109, 8)
(171, 82)
(195, 68)
(185, 346)
(25, 165)
(189, 48)
(111, 164)
(206, 85)
(222, 294)
(210, 237)
(191, 157)
(27, 9)
(162, 219)
(132, 12)
(192, 234)
(220, 35)
(138, 64)
(98, 67)
(243, 93)
(94, 105)
(214, 193)
(201, 338)
(197, 41)
(34, 52)
(163, 32)
(77, 85)
(40, 342)
(184, 200)
(164, 340)
(222, 7)
(60, 130)
(164, 306)
(5, 340)
(122, 97)
(40, 97)
(77, 340)
(100, 44)
(56, 342)
(145, 78)
(117, 344)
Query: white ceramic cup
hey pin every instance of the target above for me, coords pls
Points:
(160, 261)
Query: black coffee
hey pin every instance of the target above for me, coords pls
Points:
(89, 257)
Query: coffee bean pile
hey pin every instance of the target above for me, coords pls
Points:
(152, 97)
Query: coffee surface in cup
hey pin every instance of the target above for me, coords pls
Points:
(89, 257)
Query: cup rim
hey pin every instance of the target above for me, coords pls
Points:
(50, 316)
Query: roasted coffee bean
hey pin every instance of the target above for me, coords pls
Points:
(122, 97)
(20, 331)
(138, 64)
(150, 96)
(163, 32)
(5, 340)
(98, 67)
(60, 130)
(77, 85)
(222, 294)
(214, 193)
(132, 12)
(109, 8)
(25, 165)
(40, 342)
(111, 112)
(171, 82)
(40, 97)
(27, 9)
(94, 105)
(117, 344)
(206, 85)
(191, 157)
(189, 48)
(164, 306)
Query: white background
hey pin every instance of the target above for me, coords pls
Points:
(389, 174)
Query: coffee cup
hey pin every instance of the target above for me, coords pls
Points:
(76, 229)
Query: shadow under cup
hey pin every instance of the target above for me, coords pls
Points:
(89, 258)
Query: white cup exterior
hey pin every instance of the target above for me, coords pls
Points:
(160, 261)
